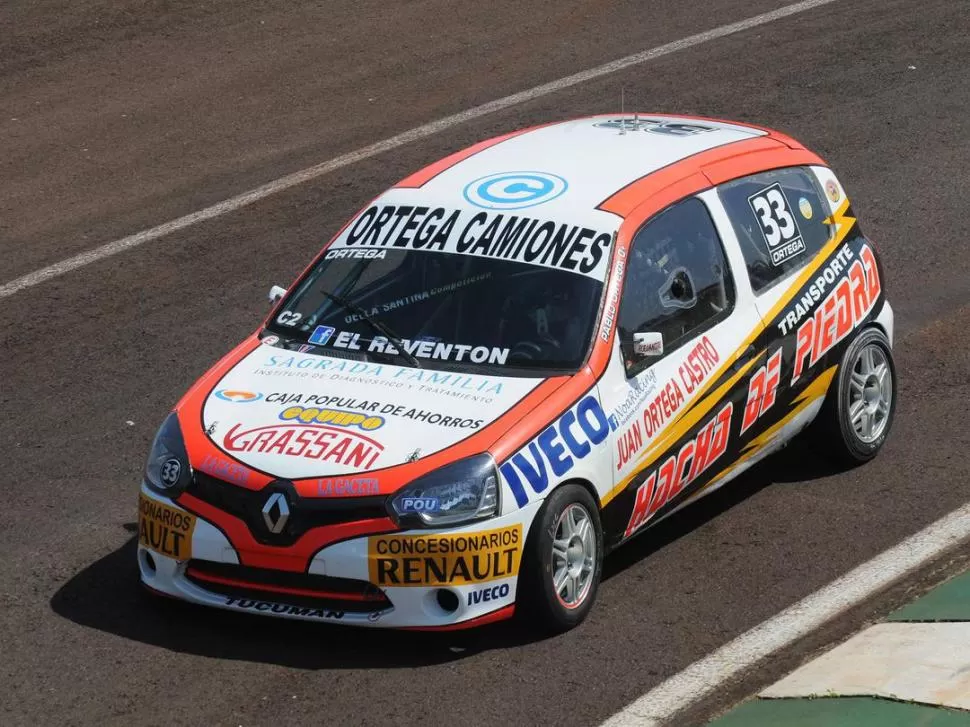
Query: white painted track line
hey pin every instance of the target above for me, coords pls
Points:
(702, 677)
(419, 132)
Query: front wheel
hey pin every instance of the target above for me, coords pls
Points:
(563, 561)
(858, 412)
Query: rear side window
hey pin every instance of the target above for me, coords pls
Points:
(779, 219)
(677, 281)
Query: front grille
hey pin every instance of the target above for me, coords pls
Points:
(297, 589)
(305, 513)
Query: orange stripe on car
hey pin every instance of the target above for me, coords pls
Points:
(500, 615)
(423, 176)
(294, 558)
(288, 590)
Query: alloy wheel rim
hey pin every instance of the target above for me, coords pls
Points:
(573, 556)
(870, 393)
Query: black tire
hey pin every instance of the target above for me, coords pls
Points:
(537, 600)
(833, 430)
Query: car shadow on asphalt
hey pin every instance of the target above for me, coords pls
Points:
(797, 462)
(106, 596)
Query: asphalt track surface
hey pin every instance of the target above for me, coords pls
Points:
(115, 116)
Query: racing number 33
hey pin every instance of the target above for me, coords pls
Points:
(777, 223)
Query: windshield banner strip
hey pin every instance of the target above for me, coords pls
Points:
(503, 236)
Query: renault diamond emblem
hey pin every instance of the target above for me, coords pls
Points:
(276, 512)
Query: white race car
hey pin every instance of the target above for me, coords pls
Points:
(512, 362)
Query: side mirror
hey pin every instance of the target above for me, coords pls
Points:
(648, 344)
(276, 293)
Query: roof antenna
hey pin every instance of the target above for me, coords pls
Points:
(622, 117)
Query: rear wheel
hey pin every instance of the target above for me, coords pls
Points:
(858, 412)
(563, 561)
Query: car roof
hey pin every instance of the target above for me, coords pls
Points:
(596, 156)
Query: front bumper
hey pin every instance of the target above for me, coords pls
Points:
(441, 579)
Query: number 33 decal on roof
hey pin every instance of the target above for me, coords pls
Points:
(778, 225)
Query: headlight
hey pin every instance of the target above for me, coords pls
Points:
(167, 469)
(456, 493)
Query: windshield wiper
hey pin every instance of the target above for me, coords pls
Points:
(376, 325)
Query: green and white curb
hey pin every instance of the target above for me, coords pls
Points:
(913, 669)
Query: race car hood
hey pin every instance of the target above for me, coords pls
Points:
(300, 415)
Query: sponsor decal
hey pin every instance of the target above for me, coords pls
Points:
(281, 361)
(287, 398)
(514, 190)
(238, 397)
(490, 234)
(571, 437)
(655, 126)
(423, 348)
(347, 486)
(781, 233)
(761, 390)
(334, 417)
(355, 254)
(436, 382)
(282, 609)
(165, 529)
(609, 315)
(484, 595)
(679, 470)
(225, 470)
(691, 374)
(423, 415)
(628, 444)
(453, 559)
(664, 405)
(641, 387)
(418, 297)
(832, 191)
(701, 360)
(839, 313)
(420, 504)
(312, 441)
(813, 294)
(832, 273)
(320, 335)
(649, 345)
(805, 207)
(270, 340)
(377, 407)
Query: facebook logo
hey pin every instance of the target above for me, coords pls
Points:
(321, 335)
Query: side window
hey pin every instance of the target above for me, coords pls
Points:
(677, 281)
(779, 218)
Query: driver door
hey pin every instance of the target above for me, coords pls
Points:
(677, 385)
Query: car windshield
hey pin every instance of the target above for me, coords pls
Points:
(445, 310)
